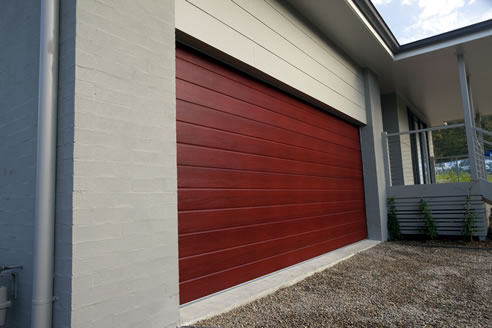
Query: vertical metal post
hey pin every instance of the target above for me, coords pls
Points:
(469, 119)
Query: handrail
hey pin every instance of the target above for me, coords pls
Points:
(484, 131)
(452, 157)
(488, 143)
(443, 127)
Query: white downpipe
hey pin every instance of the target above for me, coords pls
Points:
(44, 220)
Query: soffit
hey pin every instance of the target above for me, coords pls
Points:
(428, 80)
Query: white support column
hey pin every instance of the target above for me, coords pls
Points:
(469, 119)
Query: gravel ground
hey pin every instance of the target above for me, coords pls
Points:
(390, 285)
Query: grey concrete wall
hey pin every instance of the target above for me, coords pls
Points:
(395, 119)
(62, 308)
(19, 64)
(390, 125)
(373, 161)
(19, 48)
(406, 148)
(124, 201)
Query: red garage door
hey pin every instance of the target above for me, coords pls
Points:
(265, 181)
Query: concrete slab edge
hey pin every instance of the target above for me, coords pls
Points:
(245, 293)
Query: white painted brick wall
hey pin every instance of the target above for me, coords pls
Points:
(124, 251)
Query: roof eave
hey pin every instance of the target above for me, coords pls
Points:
(450, 38)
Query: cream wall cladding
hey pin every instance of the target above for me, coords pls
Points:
(273, 39)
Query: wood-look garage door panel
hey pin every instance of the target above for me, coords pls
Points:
(264, 180)
(204, 199)
(213, 102)
(206, 285)
(212, 138)
(198, 266)
(189, 72)
(203, 116)
(295, 109)
(204, 177)
(192, 155)
(200, 221)
(199, 243)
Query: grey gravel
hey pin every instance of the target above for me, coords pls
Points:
(390, 285)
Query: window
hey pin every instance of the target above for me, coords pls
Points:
(419, 143)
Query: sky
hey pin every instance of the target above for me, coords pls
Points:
(412, 20)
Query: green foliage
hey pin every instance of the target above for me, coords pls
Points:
(452, 142)
(469, 220)
(430, 229)
(449, 142)
(451, 176)
(393, 224)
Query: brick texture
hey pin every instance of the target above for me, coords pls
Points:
(124, 215)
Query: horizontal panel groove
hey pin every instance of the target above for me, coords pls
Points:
(262, 189)
(200, 199)
(342, 132)
(265, 259)
(204, 264)
(248, 82)
(266, 241)
(267, 189)
(195, 221)
(265, 181)
(194, 245)
(355, 152)
(270, 172)
(294, 106)
(261, 155)
(266, 206)
(202, 287)
(269, 223)
(350, 142)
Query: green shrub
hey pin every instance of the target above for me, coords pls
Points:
(393, 224)
(430, 229)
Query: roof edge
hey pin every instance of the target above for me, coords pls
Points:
(376, 21)
(447, 36)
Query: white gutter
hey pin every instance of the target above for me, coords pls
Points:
(44, 220)
(368, 25)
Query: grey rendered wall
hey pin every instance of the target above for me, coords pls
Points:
(395, 119)
(390, 125)
(373, 161)
(269, 37)
(62, 307)
(124, 201)
(19, 64)
(19, 48)
(406, 150)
